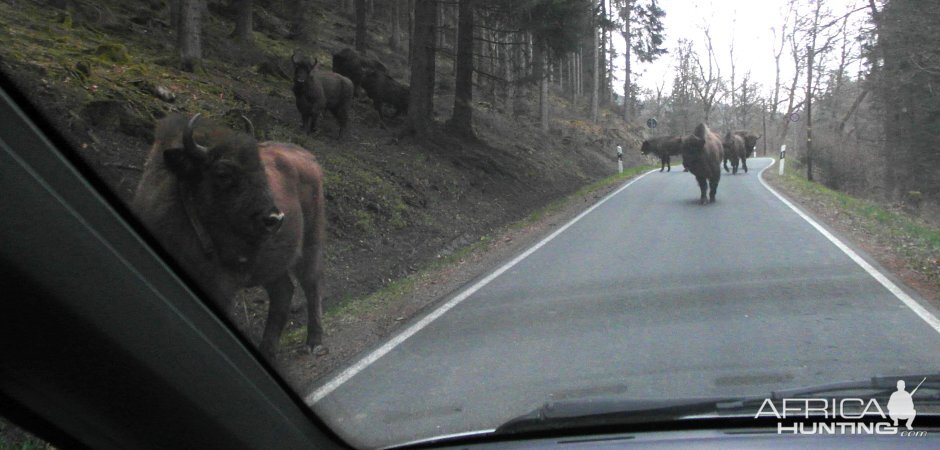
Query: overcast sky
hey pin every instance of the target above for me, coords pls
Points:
(747, 22)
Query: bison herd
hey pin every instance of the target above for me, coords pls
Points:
(316, 90)
(241, 213)
(703, 153)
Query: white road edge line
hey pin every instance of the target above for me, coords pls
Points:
(359, 366)
(877, 275)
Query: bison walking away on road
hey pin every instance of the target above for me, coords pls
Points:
(237, 213)
(316, 91)
(750, 144)
(702, 154)
(349, 64)
(383, 89)
(733, 146)
(664, 147)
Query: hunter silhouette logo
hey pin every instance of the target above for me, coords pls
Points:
(901, 405)
(845, 415)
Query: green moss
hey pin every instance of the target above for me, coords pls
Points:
(363, 221)
(294, 337)
(115, 53)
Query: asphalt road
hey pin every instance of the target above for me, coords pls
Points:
(649, 295)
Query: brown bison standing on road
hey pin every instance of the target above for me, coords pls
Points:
(750, 144)
(733, 146)
(316, 91)
(664, 147)
(237, 213)
(702, 154)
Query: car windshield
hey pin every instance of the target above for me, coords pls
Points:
(432, 218)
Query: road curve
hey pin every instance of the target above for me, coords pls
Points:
(649, 295)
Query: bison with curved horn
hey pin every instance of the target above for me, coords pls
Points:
(237, 213)
(702, 154)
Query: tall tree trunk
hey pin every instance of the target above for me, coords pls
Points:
(605, 82)
(461, 121)
(421, 97)
(734, 104)
(507, 61)
(411, 26)
(189, 34)
(243, 26)
(175, 13)
(810, 52)
(791, 106)
(361, 34)
(300, 27)
(627, 87)
(540, 70)
(543, 88)
(595, 75)
(394, 42)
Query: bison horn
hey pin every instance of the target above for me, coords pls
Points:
(188, 142)
(249, 127)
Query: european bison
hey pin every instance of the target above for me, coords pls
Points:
(383, 89)
(733, 146)
(237, 213)
(702, 154)
(349, 64)
(315, 91)
(664, 147)
(750, 143)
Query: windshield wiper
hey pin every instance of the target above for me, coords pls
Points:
(885, 386)
(573, 414)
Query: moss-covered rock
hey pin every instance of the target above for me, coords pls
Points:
(115, 53)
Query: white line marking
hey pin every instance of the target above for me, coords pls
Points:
(877, 275)
(359, 366)
(436, 439)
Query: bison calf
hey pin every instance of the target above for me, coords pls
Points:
(383, 89)
(664, 147)
(315, 91)
(237, 213)
(702, 154)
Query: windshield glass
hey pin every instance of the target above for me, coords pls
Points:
(435, 217)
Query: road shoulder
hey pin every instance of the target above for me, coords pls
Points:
(905, 246)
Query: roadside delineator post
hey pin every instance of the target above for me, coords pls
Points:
(619, 159)
(783, 157)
